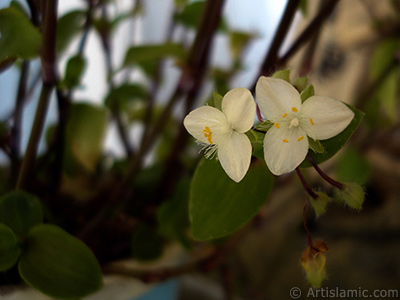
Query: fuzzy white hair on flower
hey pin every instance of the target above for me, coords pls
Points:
(223, 131)
(286, 143)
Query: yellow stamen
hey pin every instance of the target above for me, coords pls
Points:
(284, 116)
(285, 141)
(276, 125)
(208, 134)
(300, 138)
(311, 121)
(294, 109)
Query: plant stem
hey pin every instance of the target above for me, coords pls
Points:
(16, 129)
(49, 79)
(311, 29)
(305, 184)
(270, 61)
(324, 175)
(305, 220)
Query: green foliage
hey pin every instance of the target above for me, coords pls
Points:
(20, 211)
(173, 215)
(85, 133)
(147, 56)
(125, 94)
(315, 145)
(352, 166)
(307, 93)
(74, 70)
(238, 42)
(218, 206)
(147, 244)
(58, 264)
(69, 25)
(300, 83)
(9, 248)
(334, 144)
(18, 37)
(352, 194)
(282, 74)
(319, 204)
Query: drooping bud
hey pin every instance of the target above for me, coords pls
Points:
(313, 261)
(319, 204)
(352, 194)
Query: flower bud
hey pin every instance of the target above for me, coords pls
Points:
(319, 204)
(352, 194)
(313, 261)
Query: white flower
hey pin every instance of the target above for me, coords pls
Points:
(286, 143)
(224, 131)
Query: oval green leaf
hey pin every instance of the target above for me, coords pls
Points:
(20, 211)
(18, 37)
(58, 264)
(218, 206)
(86, 131)
(333, 145)
(9, 248)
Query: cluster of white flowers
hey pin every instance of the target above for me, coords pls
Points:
(285, 143)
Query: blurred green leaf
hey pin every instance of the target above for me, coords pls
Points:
(383, 57)
(238, 42)
(387, 95)
(74, 70)
(18, 37)
(147, 244)
(147, 56)
(69, 25)
(352, 166)
(334, 144)
(86, 130)
(218, 206)
(18, 6)
(9, 248)
(58, 264)
(20, 211)
(125, 94)
(303, 5)
(173, 215)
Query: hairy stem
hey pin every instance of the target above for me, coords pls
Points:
(305, 184)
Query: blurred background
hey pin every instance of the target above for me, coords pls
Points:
(351, 54)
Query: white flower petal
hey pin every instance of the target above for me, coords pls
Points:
(328, 116)
(275, 97)
(207, 124)
(235, 155)
(239, 108)
(284, 149)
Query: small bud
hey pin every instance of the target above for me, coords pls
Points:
(319, 204)
(352, 194)
(313, 261)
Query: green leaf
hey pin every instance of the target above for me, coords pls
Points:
(86, 130)
(217, 100)
(218, 206)
(282, 74)
(383, 57)
(334, 144)
(69, 25)
(352, 166)
(387, 95)
(303, 7)
(58, 264)
(147, 244)
(300, 83)
(125, 94)
(315, 145)
(265, 126)
(9, 248)
(147, 56)
(74, 70)
(307, 93)
(238, 42)
(18, 37)
(20, 211)
(173, 215)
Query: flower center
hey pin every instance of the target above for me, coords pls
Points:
(208, 134)
(294, 123)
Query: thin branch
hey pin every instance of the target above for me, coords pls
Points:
(49, 79)
(324, 175)
(308, 33)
